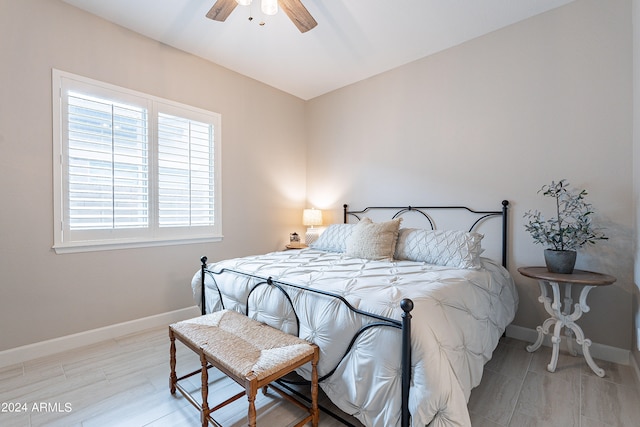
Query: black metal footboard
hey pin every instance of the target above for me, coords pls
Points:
(378, 321)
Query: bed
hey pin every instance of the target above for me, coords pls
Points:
(405, 317)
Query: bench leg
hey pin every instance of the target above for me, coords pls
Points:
(205, 390)
(251, 390)
(315, 414)
(173, 379)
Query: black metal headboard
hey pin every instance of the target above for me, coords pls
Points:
(478, 217)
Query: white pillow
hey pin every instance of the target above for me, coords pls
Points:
(375, 241)
(333, 238)
(449, 248)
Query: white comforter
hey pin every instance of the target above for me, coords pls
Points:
(458, 317)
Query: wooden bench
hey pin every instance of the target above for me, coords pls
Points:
(251, 353)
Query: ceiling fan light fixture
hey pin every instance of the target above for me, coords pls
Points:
(269, 7)
(294, 9)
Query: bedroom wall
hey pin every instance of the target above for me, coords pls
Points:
(496, 118)
(44, 295)
(636, 175)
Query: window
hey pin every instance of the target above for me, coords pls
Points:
(131, 169)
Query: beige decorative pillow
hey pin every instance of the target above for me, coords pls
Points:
(375, 241)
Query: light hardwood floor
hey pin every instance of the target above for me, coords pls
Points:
(124, 382)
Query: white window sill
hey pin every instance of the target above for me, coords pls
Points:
(92, 246)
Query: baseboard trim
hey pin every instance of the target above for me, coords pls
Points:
(70, 342)
(598, 351)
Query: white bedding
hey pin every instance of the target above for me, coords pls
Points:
(458, 318)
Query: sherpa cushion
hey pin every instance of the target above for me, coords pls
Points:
(375, 241)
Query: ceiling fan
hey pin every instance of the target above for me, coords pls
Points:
(294, 9)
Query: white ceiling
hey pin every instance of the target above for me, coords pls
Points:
(354, 39)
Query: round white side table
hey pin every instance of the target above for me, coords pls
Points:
(560, 311)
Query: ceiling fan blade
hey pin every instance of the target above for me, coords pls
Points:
(221, 10)
(298, 14)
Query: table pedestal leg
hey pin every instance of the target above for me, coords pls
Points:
(542, 331)
(564, 318)
(555, 340)
(586, 343)
(566, 310)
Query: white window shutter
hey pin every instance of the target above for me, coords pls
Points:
(185, 172)
(108, 170)
(134, 170)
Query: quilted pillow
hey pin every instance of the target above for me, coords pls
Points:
(449, 248)
(375, 241)
(333, 238)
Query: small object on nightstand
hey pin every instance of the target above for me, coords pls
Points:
(564, 318)
(294, 242)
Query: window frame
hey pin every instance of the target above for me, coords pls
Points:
(68, 241)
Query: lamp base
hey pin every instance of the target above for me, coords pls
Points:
(311, 235)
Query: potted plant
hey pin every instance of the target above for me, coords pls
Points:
(568, 231)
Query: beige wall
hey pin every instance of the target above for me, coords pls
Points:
(496, 118)
(44, 295)
(636, 172)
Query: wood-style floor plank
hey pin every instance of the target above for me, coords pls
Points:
(125, 382)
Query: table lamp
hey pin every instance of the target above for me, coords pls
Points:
(311, 218)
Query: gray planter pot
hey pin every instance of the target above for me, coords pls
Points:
(560, 261)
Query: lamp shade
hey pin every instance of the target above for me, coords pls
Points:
(311, 217)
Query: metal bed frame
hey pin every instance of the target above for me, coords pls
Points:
(378, 321)
(481, 216)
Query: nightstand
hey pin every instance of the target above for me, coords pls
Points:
(560, 311)
(296, 246)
